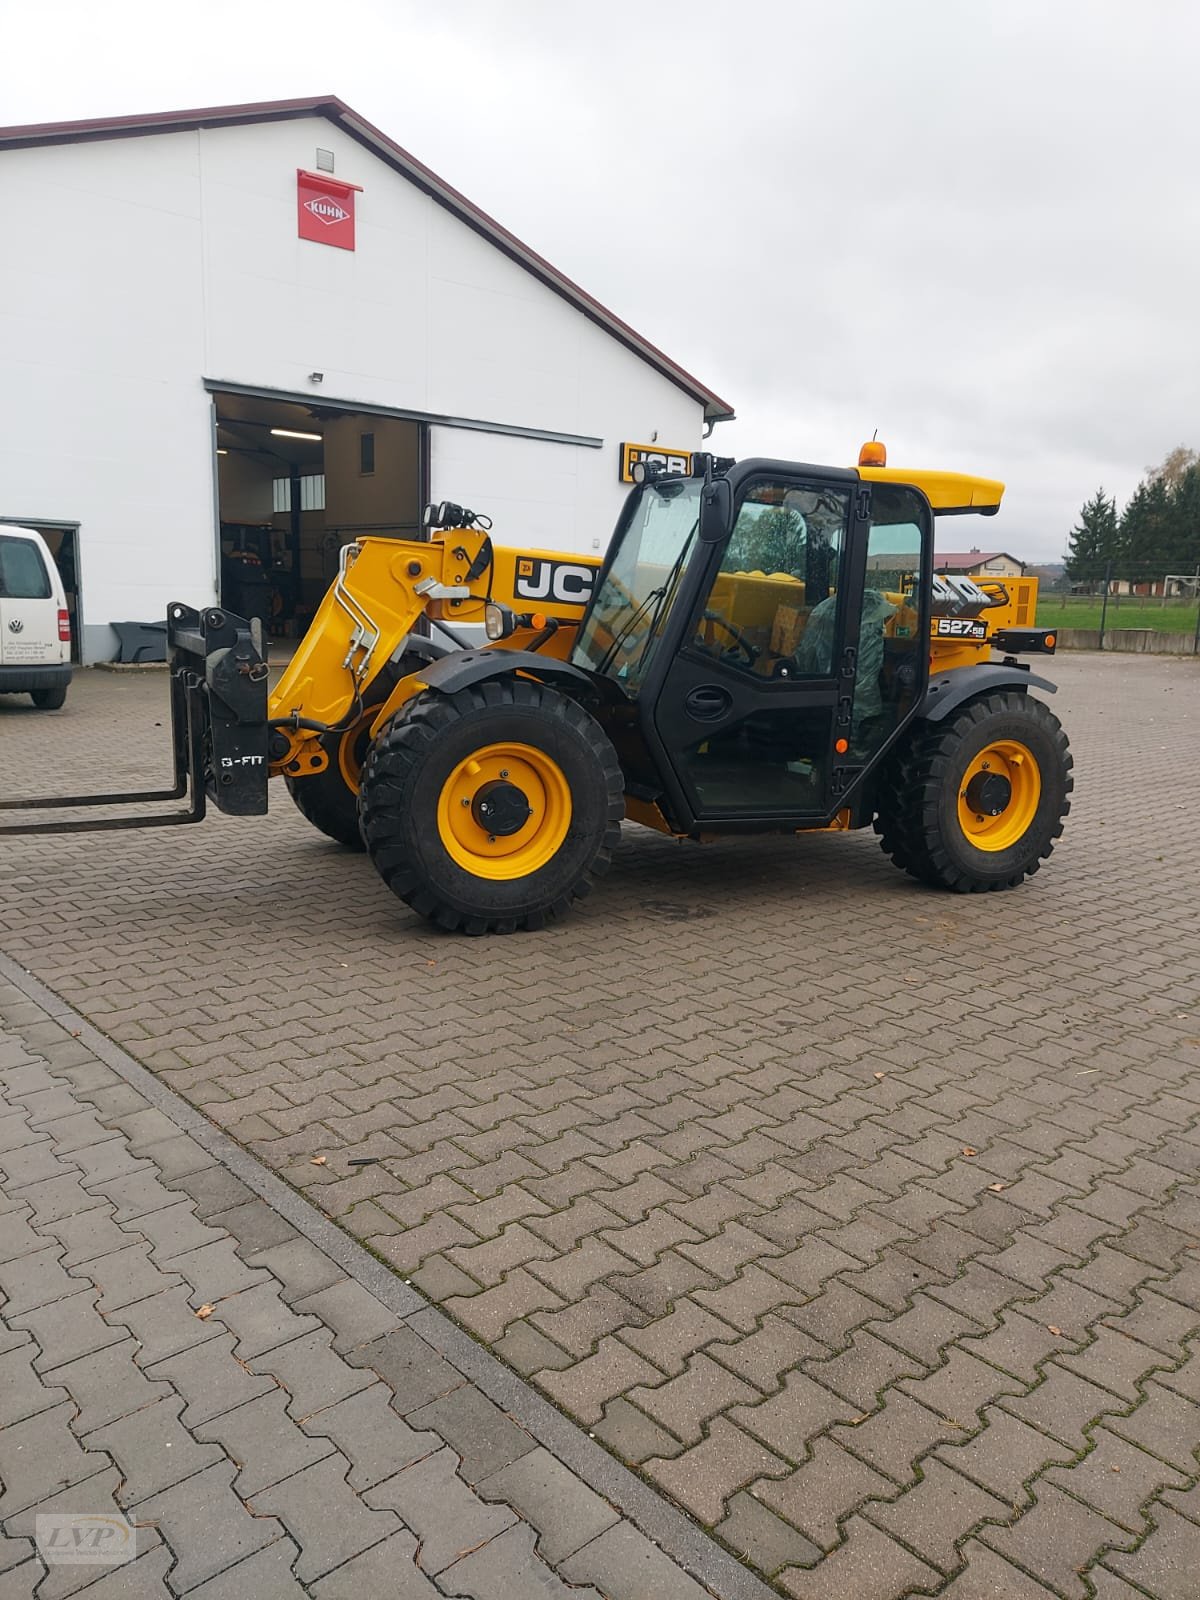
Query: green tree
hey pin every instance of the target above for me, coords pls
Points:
(1093, 542)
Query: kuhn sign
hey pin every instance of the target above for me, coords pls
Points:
(325, 209)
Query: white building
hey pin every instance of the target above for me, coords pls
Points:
(175, 290)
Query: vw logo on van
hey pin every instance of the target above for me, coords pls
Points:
(16, 625)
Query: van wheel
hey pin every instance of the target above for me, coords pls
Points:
(48, 699)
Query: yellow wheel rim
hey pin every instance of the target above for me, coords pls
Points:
(521, 776)
(1017, 794)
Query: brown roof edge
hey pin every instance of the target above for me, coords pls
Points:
(47, 133)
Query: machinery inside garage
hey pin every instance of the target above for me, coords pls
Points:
(295, 483)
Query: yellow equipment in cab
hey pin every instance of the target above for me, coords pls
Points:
(767, 646)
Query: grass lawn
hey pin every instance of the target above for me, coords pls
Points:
(1124, 611)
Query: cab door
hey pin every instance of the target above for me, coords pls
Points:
(754, 711)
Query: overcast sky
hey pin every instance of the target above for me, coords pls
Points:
(971, 224)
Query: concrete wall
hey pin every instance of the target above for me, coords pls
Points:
(1138, 641)
(142, 266)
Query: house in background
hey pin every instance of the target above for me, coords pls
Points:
(978, 564)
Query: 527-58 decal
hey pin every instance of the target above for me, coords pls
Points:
(960, 628)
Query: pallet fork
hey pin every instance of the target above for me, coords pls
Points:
(219, 731)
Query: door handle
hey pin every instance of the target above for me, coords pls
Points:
(708, 702)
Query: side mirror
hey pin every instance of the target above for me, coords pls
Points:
(716, 510)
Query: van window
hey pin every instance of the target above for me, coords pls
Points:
(23, 574)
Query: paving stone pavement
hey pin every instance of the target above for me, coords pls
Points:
(174, 1351)
(861, 1220)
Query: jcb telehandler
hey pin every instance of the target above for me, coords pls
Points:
(766, 647)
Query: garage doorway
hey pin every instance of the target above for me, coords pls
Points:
(62, 539)
(295, 483)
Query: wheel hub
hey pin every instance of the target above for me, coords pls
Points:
(501, 808)
(989, 793)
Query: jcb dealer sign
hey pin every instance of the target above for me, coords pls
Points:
(676, 463)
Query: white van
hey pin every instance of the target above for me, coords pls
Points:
(35, 626)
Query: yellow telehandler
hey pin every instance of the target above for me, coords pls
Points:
(766, 647)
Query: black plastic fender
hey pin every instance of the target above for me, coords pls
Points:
(950, 689)
(461, 668)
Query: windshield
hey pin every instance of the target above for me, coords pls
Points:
(629, 612)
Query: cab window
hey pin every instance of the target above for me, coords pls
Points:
(772, 610)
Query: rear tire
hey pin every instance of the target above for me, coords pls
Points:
(326, 799)
(48, 699)
(544, 767)
(931, 819)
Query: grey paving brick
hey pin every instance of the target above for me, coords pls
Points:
(93, 1497)
(509, 1568)
(88, 1235)
(484, 1437)
(54, 1198)
(215, 1271)
(564, 1511)
(206, 1525)
(447, 1518)
(299, 1266)
(166, 1324)
(1056, 1540)
(211, 1379)
(369, 1433)
(354, 1315)
(388, 1569)
(706, 1476)
(108, 1383)
(935, 1516)
(869, 1565)
(40, 1455)
(213, 1188)
(152, 1449)
(124, 1276)
(262, 1441)
(624, 1565)
(67, 1329)
(1164, 1424)
(261, 1321)
(141, 1579)
(171, 1229)
(415, 1372)
(33, 1280)
(759, 1536)
(1006, 1455)
(988, 1576)
(831, 1484)
(23, 1392)
(324, 1516)
(632, 1436)
(254, 1225)
(313, 1375)
(265, 1574)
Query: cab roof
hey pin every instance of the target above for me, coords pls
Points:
(951, 494)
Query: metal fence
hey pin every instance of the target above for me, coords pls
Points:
(1152, 612)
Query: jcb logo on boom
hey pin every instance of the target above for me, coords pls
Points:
(565, 581)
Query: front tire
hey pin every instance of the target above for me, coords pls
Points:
(491, 809)
(976, 803)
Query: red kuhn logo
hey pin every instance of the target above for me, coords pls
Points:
(325, 209)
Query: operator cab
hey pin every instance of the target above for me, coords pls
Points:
(762, 629)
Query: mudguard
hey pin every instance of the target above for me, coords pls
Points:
(461, 668)
(949, 689)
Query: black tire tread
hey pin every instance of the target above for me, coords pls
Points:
(407, 741)
(907, 820)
